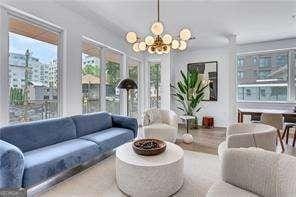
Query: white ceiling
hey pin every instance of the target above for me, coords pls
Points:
(210, 21)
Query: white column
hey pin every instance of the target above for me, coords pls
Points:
(123, 93)
(232, 79)
(103, 80)
(146, 85)
(71, 74)
(165, 76)
(4, 64)
(141, 89)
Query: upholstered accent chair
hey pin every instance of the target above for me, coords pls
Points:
(254, 172)
(244, 135)
(161, 124)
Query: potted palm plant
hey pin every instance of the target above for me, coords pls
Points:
(189, 92)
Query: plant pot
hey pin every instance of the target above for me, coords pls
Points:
(193, 124)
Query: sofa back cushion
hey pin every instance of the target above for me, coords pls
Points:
(34, 135)
(91, 123)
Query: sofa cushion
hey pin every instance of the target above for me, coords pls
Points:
(110, 138)
(40, 164)
(91, 123)
(223, 189)
(125, 122)
(34, 135)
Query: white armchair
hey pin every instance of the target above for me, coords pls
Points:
(254, 172)
(160, 124)
(244, 135)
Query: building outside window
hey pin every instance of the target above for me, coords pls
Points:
(133, 73)
(240, 74)
(113, 61)
(264, 61)
(91, 80)
(155, 79)
(240, 61)
(265, 81)
(33, 68)
(264, 74)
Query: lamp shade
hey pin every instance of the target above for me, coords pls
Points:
(127, 84)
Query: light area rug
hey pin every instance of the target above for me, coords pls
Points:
(200, 172)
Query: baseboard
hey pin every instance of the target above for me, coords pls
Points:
(46, 185)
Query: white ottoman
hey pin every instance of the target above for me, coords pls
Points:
(149, 176)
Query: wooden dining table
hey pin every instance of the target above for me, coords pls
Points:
(256, 111)
(259, 112)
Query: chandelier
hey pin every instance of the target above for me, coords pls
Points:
(158, 43)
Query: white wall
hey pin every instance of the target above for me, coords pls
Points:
(218, 109)
(74, 27)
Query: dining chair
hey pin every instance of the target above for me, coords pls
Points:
(289, 122)
(256, 117)
(275, 120)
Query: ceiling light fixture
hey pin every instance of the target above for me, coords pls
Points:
(157, 43)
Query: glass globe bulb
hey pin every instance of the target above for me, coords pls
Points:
(142, 46)
(167, 49)
(150, 50)
(167, 39)
(158, 51)
(185, 34)
(149, 40)
(157, 28)
(131, 37)
(183, 45)
(136, 47)
(175, 44)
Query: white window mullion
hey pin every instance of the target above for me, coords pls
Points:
(123, 94)
(4, 84)
(103, 79)
(291, 74)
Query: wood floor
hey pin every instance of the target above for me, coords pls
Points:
(207, 140)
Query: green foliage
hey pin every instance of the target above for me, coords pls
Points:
(133, 73)
(155, 75)
(189, 92)
(17, 96)
(113, 73)
(91, 69)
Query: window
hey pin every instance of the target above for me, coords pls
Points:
(264, 74)
(240, 74)
(282, 60)
(255, 61)
(240, 61)
(133, 73)
(33, 50)
(266, 81)
(113, 61)
(155, 79)
(90, 79)
(264, 61)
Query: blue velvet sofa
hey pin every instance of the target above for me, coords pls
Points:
(30, 153)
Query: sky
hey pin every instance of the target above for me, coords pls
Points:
(45, 52)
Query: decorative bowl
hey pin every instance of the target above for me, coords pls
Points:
(149, 147)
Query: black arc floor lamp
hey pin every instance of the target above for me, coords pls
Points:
(127, 84)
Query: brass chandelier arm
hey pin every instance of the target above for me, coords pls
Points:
(158, 42)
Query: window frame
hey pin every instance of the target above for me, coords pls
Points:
(102, 82)
(155, 61)
(139, 79)
(291, 84)
(6, 13)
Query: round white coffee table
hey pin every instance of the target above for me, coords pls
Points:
(149, 176)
